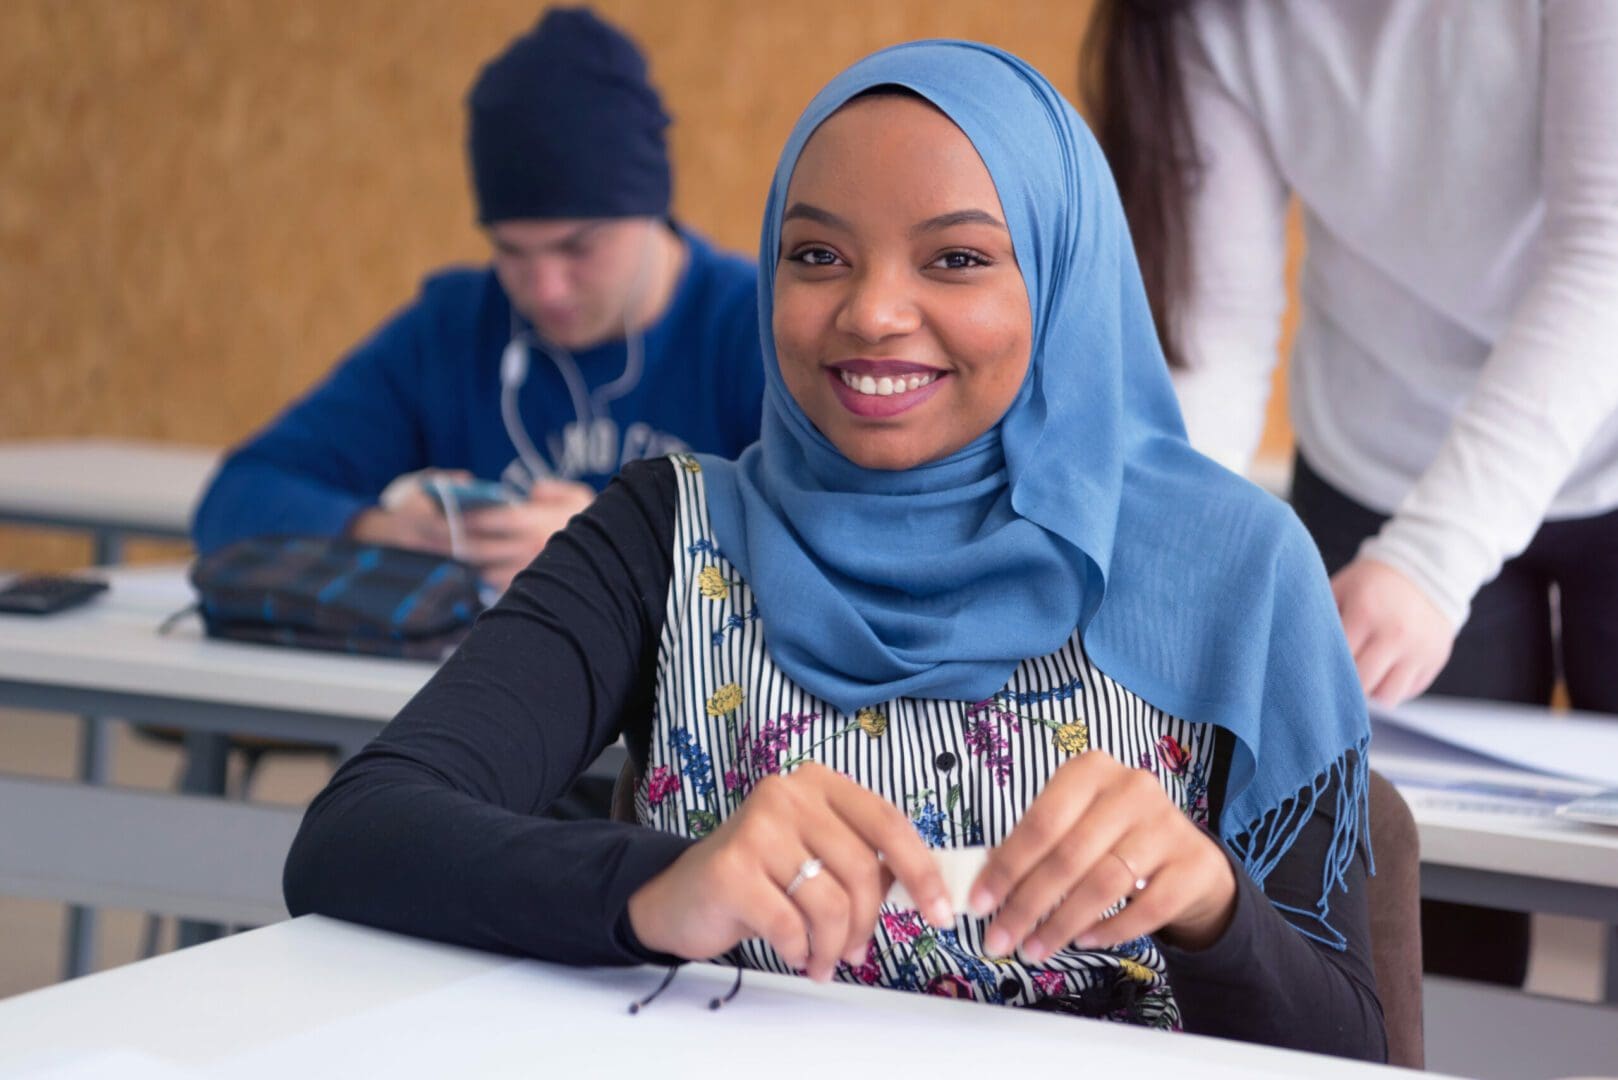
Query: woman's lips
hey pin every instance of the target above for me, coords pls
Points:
(877, 390)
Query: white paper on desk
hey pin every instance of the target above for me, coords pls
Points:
(959, 867)
(122, 1064)
(1582, 747)
(538, 1020)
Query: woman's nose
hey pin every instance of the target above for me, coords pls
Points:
(879, 305)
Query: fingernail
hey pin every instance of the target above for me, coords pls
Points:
(1033, 950)
(980, 900)
(940, 914)
(997, 942)
(1085, 941)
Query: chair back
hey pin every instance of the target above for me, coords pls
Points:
(623, 793)
(1393, 895)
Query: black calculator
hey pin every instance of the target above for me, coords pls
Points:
(43, 594)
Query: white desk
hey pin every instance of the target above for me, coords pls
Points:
(130, 486)
(110, 847)
(313, 997)
(103, 486)
(110, 488)
(107, 657)
(1496, 850)
(198, 857)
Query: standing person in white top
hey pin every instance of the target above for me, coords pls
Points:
(1454, 383)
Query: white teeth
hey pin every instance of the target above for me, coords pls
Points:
(886, 386)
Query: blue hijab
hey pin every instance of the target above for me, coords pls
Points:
(1084, 508)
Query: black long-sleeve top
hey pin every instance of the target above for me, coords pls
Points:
(435, 828)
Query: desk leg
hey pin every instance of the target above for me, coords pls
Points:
(95, 767)
(207, 758)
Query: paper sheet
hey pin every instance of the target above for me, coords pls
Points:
(1581, 746)
(959, 866)
(530, 1020)
(120, 1064)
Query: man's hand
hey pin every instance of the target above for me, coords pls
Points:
(498, 540)
(501, 540)
(1399, 638)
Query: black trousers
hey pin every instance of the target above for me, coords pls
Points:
(1514, 646)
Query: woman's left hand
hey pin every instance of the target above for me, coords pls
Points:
(1089, 839)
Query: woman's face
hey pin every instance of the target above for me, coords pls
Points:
(901, 319)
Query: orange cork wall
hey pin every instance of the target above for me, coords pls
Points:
(203, 203)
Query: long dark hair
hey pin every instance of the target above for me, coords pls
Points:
(1131, 84)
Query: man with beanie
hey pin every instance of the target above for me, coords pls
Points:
(601, 333)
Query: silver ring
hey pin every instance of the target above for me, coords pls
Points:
(810, 868)
(1140, 882)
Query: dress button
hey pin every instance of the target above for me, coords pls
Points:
(1010, 987)
(945, 761)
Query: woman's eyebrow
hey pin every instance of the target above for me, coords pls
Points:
(958, 217)
(814, 213)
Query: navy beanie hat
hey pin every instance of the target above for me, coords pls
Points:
(564, 124)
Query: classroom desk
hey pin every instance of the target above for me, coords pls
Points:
(115, 847)
(315, 997)
(111, 488)
(141, 850)
(1497, 851)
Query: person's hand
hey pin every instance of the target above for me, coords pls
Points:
(732, 884)
(1399, 638)
(409, 519)
(501, 540)
(1097, 829)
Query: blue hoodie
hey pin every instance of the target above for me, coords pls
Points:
(424, 392)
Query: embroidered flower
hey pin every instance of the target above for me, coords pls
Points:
(734, 622)
(872, 721)
(1175, 758)
(1072, 738)
(902, 926)
(660, 785)
(690, 464)
(985, 739)
(725, 700)
(694, 760)
(774, 737)
(869, 972)
(1137, 971)
(929, 822)
(1050, 983)
(949, 985)
(737, 782)
(712, 584)
(1037, 697)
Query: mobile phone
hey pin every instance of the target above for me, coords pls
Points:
(469, 495)
(45, 594)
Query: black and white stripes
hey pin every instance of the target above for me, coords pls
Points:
(963, 772)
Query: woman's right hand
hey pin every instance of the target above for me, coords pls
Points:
(732, 885)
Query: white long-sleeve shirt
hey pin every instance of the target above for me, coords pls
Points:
(1456, 363)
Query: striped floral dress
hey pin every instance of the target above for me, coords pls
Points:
(963, 772)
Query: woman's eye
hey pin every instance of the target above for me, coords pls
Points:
(815, 256)
(960, 260)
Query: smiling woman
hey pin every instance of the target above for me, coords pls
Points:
(901, 320)
(971, 588)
